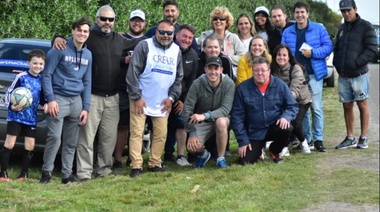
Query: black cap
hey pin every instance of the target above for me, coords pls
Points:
(214, 61)
(346, 4)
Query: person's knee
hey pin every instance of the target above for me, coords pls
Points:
(221, 124)
(348, 106)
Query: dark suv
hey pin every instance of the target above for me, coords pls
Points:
(13, 58)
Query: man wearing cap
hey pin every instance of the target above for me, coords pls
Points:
(262, 110)
(136, 28)
(310, 44)
(170, 11)
(262, 23)
(154, 82)
(355, 47)
(206, 112)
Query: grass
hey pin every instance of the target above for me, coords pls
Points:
(300, 182)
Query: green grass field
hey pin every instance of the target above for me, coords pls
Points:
(297, 184)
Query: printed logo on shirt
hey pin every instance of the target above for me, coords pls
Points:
(163, 59)
(189, 61)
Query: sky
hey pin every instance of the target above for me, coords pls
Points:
(367, 9)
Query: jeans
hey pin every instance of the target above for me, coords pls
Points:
(316, 133)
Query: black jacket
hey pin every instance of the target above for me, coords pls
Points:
(274, 38)
(227, 65)
(190, 68)
(355, 47)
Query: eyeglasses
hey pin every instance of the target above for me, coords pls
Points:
(162, 32)
(218, 18)
(104, 19)
(260, 70)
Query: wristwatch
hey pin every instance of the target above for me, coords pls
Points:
(171, 99)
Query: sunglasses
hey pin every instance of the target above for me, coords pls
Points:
(218, 18)
(162, 32)
(102, 18)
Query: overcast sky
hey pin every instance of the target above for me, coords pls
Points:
(367, 9)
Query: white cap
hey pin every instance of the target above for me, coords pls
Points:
(137, 13)
(263, 10)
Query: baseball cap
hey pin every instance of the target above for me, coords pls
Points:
(137, 13)
(214, 61)
(346, 4)
(262, 9)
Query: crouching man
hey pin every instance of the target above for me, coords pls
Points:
(206, 112)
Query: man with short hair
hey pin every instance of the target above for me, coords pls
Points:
(355, 47)
(176, 129)
(154, 83)
(278, 18)
(66, 81)
(310, 44)
(137, 25)
(262, 111)
(206, 111)
(170, 9)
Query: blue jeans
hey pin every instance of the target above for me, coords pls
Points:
(316, 133)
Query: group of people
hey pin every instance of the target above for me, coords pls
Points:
(101, 87)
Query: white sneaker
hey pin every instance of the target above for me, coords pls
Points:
(262, 156)
(285, 152)
(305, 147)
(182, 161)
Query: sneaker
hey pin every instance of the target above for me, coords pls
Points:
(135, 172)
(70, 179)
(285, 152)
(202, 160)
(156, 169)
(117, 165)
(221, 163)
(347, 143)
(277, 158)
(182, 161)
(311, 146)
(363, 143)
(319, 146)
(4, 176)
(45, 177)
(22, 176)
(263, 155)
(170, 158)
(305, 147)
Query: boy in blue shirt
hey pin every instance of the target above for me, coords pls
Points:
(22, 121)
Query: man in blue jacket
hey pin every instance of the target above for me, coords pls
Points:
(66, 81)
(355, 47)
(310, 44)
(262, 110)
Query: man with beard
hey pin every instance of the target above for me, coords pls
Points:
(171, 12)
(137, 25)
(153, 83)
(106, 47)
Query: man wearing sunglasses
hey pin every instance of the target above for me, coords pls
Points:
(171, 12)
(106, 47)
(153, 82)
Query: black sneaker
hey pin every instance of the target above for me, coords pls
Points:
(70, 179)
(170, 158)
(4, 176)
(277, 158)
(45, 177)
(22, 176)
(135, 172)
(318, 145)
(156, 169)
(117, 165)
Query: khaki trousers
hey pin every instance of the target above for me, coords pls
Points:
(137, 123)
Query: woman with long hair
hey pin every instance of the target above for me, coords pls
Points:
(245, 29)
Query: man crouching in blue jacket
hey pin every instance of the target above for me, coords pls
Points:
(262, 111)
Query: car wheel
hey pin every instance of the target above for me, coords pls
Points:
(330, 82)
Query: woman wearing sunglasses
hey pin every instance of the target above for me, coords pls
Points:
(221, 21)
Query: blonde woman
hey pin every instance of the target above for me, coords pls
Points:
(258, 47)
(221, 21)
(245, 29)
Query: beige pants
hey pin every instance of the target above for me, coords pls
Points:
(137, 123)
(102, 121)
